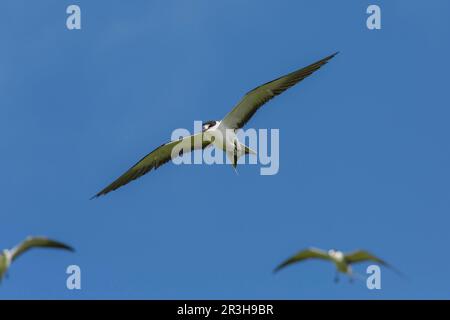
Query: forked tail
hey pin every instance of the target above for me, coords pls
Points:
(235, 154)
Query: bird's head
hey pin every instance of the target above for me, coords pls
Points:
(335, 253)
(208, 124)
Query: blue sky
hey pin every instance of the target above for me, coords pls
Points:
(364, 154)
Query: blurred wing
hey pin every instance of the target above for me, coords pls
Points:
(361, 255)
(254, 99)
(3, 266)
(311, 253)
(37, 242)
(155, 159)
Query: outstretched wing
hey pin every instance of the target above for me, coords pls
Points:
(3, 265)
(254, 99)
(362, 255)
(311, 253)
(37, 242)
(155, 159)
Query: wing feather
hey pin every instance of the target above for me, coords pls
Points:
(155, 159)
(37, 242)
(311, 253)
(363, 255)
(257, 97)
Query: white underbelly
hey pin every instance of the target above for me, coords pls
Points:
(223, 139)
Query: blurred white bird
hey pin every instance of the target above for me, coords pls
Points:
(8, 256)
(341, 261)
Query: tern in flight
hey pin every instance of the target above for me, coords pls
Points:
(341, 261)
(221, 134)
(8, 256)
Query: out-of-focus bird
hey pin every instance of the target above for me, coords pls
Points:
(221, 134)
(341, 260)
(9, 255)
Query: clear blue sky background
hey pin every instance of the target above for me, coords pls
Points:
(364, 143)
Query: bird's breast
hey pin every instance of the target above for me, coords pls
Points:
(221, 138)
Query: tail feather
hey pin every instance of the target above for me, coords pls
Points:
(234, 155)
(248, 150)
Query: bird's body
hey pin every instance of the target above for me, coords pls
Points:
(221, 134)
(9, 255)
(341, 260)
(225, 139)
(217, 135)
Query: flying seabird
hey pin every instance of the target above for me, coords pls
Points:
(221, 134)
(341, 261)
(8, 256)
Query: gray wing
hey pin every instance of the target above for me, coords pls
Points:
(363, 255)
(3, 265)
(254, 99)
(311, 253)
(37, 242)
(155, 159)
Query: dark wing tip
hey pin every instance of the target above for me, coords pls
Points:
(68, 248)
(326, 59)
(282, 265)
(278, 268)
(112, 186)
(394, 269)
(60, 245)
(331, 56)
(51, 243)
(101, 193)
